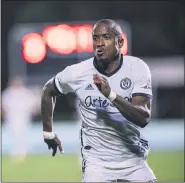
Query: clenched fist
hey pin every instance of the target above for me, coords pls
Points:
(102, 84)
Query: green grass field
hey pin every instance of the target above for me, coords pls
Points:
(65, 168)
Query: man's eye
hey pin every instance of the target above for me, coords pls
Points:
(107, 37)
(94, 38)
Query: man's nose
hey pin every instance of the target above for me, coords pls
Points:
(100, 42)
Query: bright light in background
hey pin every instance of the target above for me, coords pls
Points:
(84, 38)
(60, 39)
(33, 48)
(64, 39)
(124, 49)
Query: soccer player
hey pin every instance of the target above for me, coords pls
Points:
(115, 94)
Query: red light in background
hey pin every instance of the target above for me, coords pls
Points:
(33, 48)
(124, 49)
(84, 38)
(60, 39)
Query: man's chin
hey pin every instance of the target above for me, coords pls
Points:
(102, 58)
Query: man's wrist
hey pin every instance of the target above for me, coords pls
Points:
(48, 135)
(112, 96)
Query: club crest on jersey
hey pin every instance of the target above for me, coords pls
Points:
(125, 83)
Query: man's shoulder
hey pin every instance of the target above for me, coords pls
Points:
(77, 70)
(135, 62)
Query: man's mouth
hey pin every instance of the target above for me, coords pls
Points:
(100, 52)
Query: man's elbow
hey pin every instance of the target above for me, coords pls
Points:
(143, 116)
(142, 125)
(144, 122)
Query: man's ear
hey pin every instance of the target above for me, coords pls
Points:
(121, 42)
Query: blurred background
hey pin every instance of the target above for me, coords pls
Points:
(41, 38)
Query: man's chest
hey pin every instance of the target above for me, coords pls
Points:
(91, 97)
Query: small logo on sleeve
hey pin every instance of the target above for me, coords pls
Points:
(148, 85)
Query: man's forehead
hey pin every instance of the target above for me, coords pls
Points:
(102, 29)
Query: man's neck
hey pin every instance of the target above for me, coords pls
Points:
(113, 65)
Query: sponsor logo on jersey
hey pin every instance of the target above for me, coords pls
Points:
(91, 101)
(125, 83)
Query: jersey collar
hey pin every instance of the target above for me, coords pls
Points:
(111, 73)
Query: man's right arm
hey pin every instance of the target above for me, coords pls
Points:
(48, 100)
(53, 88)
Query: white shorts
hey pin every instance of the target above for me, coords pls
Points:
(96, 173)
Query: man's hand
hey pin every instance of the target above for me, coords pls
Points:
(102, 84)
(54, 144)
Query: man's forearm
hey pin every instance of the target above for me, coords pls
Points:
(47, 108)
(132, 113)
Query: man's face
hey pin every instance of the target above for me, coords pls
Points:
(106, 45)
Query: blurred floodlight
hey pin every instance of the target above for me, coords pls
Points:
(33, 48)
(60, 39)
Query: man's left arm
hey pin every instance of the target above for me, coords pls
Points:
(138, 111)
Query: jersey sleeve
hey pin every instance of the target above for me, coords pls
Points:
(142, 81)
(62, 80)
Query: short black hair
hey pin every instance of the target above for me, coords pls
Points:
(114, 26)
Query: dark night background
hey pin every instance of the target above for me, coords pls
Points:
(162, 20)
